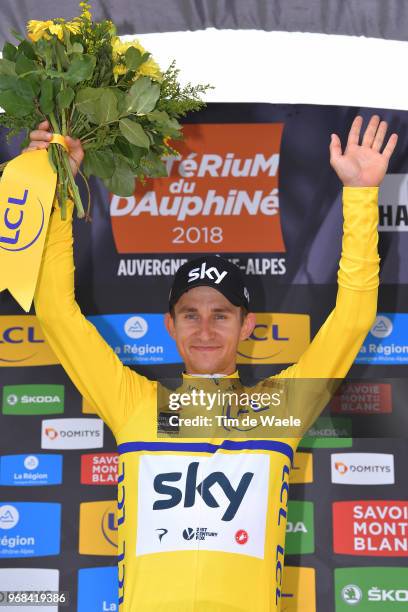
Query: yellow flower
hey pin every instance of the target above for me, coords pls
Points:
(57, 29)
(119, 69)
(38, 29)
(73, 27)
(43, 29)
(86, 13)
(149, 68)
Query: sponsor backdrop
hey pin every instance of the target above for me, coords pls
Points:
(253, 183)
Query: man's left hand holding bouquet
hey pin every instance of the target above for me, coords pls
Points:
(40, 139)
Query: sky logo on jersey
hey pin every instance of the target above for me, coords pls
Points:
(387, 341)
(300, 528)
(302, 470)
(98, 528)
(22, 342)
(277, 338)
(371, 588)
(362, 469)
(99, 469)
(29, 529)
(371, 528)
(362, 397)
(29, 579)
(72, 433)
(30, 470)
(329, 432)
(298, 589)
(222, 490)
(98, 589)
(33, 399)
(220, 195)
(138, 339)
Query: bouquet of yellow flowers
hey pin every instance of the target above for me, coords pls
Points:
(90, 85)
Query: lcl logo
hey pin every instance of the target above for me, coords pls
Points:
(13, 219)
(262, 336)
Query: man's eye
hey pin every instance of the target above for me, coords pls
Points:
(190, 315)
(220, 316)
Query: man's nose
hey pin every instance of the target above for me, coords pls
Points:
(206, 330)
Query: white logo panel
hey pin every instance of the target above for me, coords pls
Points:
(362, 468)
(72, 433)
(29, 579)
(210, 503)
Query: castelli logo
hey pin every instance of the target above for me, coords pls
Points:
(341, 467)
(241, 537)
(51, 433)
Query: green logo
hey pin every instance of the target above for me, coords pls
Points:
(300, 528)
(371, 588)
(329, 432)
(33, 399)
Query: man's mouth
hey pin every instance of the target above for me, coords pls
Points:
(206, 349)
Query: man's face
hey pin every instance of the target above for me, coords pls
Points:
(207, 329)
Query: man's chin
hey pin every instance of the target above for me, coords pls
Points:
(204, 366)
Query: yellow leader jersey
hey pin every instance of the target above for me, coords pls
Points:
(201, 524)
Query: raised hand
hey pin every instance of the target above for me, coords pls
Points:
(363, 165)
(39, 139)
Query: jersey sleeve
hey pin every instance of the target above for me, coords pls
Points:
(333, 350)
(112, 389)
(335, 346)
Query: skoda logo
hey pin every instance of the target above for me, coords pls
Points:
(188, 534)
(136, 327)
(382, 327)
(351, 594)
(12, 400)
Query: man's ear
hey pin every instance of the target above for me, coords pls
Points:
(169, 323)
(248, 326)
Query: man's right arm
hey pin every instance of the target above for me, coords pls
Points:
(113, 390)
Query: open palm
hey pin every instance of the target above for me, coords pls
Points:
(363, 165)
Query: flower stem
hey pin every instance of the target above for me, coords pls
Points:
(67, 167)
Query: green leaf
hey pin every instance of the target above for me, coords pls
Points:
(7, 67)
(133, 58)
(67, 40)
(9, 52)
(14, 104)
(17, 35)
(29, 86)
(28, 49)
(122, 182)
(80, 69)
(65, 97)
(8, 82)
(120, 100)
(23, 64)
(86, 100)
(46, 97)
(133, 153)
(77, 48)
(61, 54)
(142, 96)
(100, 163)
(44, 50)
(106, 108)
(134, 133)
